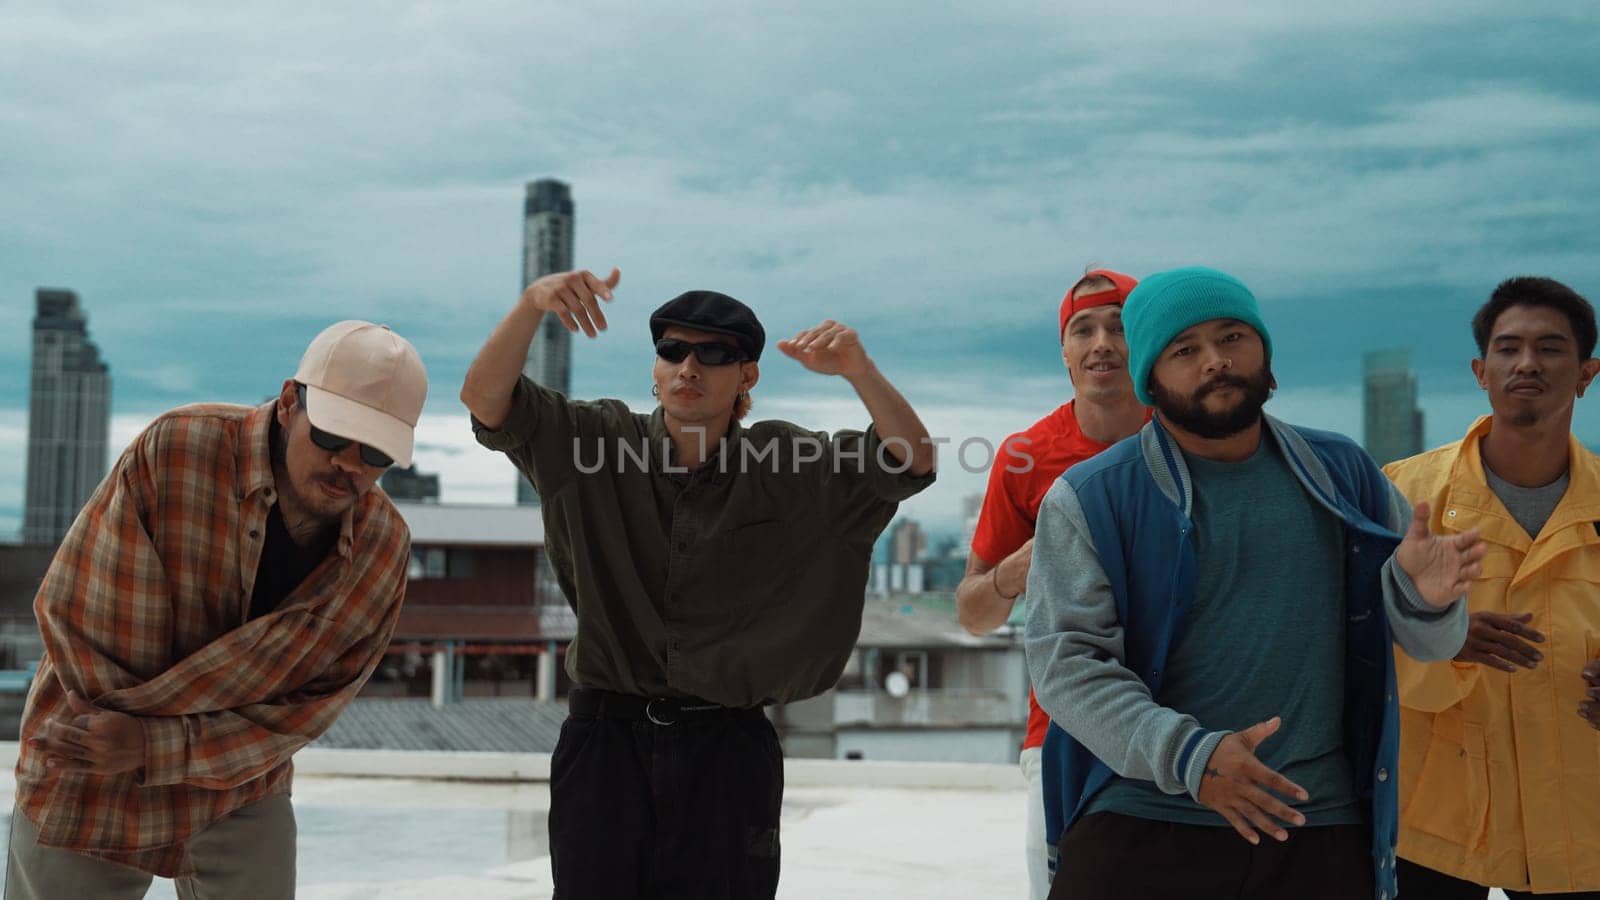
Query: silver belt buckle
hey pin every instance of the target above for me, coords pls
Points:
(650, 712)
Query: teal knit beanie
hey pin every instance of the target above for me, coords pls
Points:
(1169, 303)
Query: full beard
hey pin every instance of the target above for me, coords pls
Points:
(1190, 413)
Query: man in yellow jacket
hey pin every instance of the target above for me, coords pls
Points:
(1500, 747)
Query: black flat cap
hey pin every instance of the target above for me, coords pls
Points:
(713, 312)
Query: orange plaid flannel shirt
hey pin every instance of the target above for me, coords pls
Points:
(144, 611)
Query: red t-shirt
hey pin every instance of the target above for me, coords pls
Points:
(1025, 467)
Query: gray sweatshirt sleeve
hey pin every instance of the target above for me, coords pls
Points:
(1074, 645)
(1423, 632)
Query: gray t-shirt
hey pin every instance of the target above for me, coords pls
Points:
(1531, 507)
(1265, 637)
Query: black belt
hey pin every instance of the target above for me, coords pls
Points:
(659, 710)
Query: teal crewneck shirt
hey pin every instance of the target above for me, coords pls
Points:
(1265, 637)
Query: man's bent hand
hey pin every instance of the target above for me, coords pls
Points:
(1495, 640)
(94, 741)
(1442, 567)
(1241, 788)
(574, 298)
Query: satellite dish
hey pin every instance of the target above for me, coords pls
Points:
(897, 684)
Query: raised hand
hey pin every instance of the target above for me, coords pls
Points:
(1495, 640)
(1442, 567)
(574, 298)
(1242, 788)
(831, 348)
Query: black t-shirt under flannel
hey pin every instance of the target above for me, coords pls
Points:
(284, 564)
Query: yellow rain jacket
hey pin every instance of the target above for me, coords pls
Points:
(1499, 775)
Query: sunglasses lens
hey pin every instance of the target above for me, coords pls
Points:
(372, 456)
(672, 351)
(708, 354)
(328, 441)
(715, 354)
(375, 458)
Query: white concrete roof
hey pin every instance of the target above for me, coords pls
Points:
(403, 826)
(467, 524)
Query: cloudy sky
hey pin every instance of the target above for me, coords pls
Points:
(219, 186)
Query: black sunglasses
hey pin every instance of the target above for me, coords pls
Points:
(709, 353)
(333, 443)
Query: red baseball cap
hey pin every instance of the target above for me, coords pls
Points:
(1122, 285)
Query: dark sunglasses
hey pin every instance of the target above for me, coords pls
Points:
(333, 443)
(709, 354)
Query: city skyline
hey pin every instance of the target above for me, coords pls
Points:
(69, 414)
(549, 222)
(938, 193)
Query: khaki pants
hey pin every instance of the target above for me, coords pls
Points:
(1036, 852)
(248, 855)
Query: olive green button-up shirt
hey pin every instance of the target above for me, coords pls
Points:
(740, 582)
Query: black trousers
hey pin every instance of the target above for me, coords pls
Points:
(1422, 883)
(1106, 856)
(687, 810)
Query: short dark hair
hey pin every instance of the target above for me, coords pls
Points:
(1529, 290)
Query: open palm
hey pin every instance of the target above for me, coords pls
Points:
(830, 348)
(1442, 567)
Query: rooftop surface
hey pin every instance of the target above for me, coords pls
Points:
(851, 830)
(470, 524)
(378, 838)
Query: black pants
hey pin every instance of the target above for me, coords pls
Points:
(1422, 883)
(1105, 856)
(688, 810)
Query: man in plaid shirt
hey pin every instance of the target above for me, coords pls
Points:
(225, 593)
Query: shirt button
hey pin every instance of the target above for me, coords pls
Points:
(254, 533)
(1451, 514)
(683, 546)
(1383, 774)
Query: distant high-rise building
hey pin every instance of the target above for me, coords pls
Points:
(547, 223)
(1391, 418)
(409, 484)
(69, 418)
(971, 509)
(906, 542)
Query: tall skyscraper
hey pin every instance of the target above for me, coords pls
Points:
(69, 417)
(1391, 419)
(547, 224)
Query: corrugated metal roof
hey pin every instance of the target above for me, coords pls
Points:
(491, 725)
(476, 525)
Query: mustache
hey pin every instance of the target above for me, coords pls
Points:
(1220, 382)
(344, 482)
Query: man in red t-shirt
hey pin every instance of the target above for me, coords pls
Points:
(1103, 411)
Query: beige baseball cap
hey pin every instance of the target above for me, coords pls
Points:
(365, 383)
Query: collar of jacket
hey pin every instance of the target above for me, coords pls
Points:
(1469, 502)
(1165, 460)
